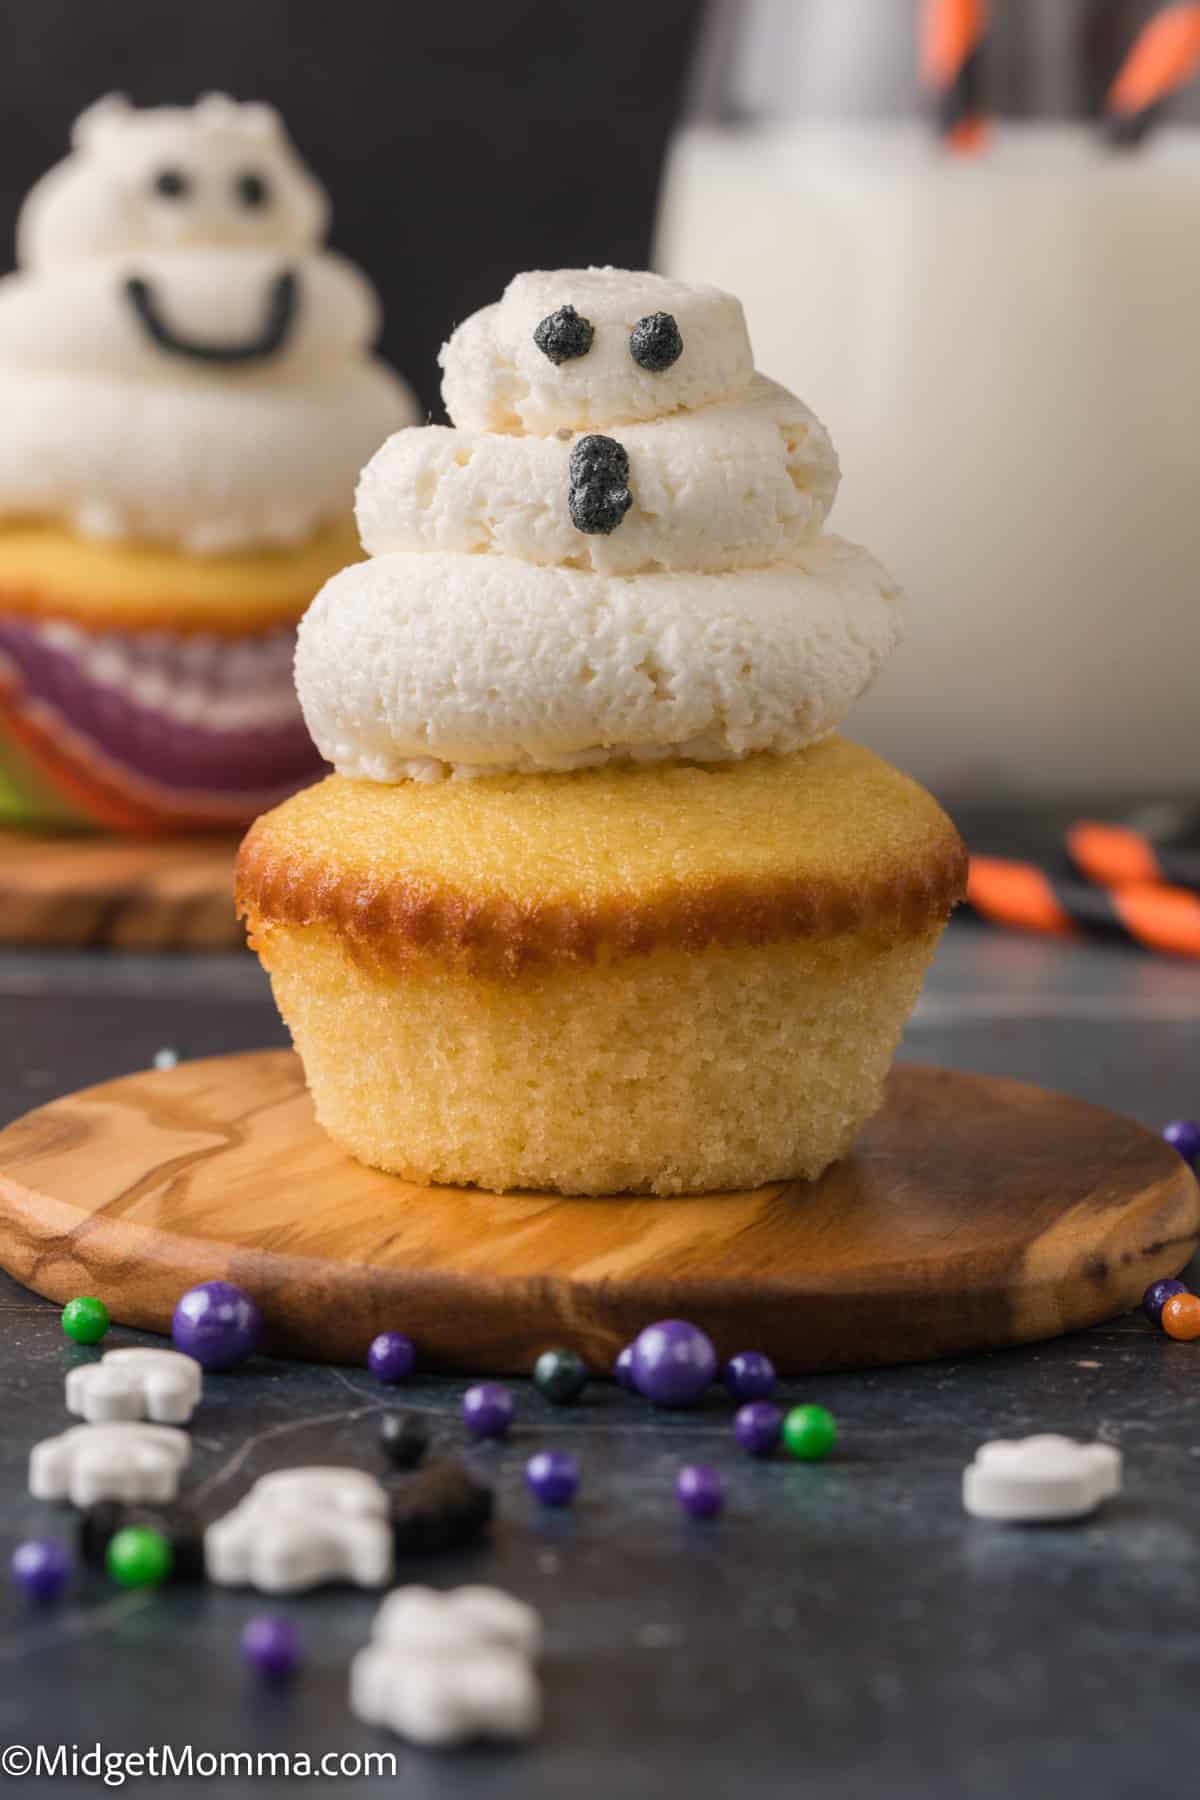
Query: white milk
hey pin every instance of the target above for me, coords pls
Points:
(1007, 352)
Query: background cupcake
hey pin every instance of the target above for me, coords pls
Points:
(596, 900)
(186, 396)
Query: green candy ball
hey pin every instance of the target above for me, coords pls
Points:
(809, 1433)
(561, 1375)
(86, 1319)
(139, 1557)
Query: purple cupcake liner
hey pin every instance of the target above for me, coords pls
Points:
(197, 715)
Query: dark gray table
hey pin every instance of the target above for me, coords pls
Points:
(843, 1631)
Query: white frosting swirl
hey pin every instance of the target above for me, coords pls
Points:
(416, 665)
(731, 486)
(503, 625)
(179, 360)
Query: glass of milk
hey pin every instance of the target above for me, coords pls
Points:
(1006, 349)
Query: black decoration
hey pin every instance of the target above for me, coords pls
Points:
(564, 335)
(282, 308)
(172, 184)
(439, 1508)
(404, 1438)
(655, 342)
(599, 496)
(253, 190)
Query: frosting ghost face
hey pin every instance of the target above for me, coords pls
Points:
(182, 233)
(217, 175)
(179, 357)
(572, 349)
(617, 553)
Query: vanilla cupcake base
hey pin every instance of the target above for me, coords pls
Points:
(643, 978)
(668, 1073)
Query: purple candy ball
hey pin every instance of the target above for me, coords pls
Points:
(487, 1410)
(749, 1375)
(757, 1427)
(700, 1491)
(42, 1567)
(218, 1324)
(552, 1477)
(392, 1357)
(673, 1363)
(271, 1644)
(623, 1370)
(1184, 1135)
(1156, 1297)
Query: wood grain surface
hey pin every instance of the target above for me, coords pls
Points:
(973, 1213)
(167, 894)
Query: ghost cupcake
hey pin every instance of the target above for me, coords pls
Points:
(597, 900)
(187, 393)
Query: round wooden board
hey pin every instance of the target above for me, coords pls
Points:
(973, 1213)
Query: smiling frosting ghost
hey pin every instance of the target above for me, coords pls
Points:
(187, 393)
(596, 899)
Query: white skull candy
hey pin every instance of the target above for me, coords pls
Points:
(444, 1668)
(134, 1383)
(126, 1461)
(1040, 1478)
(300, 1527)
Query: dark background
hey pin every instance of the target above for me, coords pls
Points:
(460, 141)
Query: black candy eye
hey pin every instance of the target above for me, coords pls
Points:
(655, 343)
(172, 184)
(564, 335)
(598, 498)
(252, 189)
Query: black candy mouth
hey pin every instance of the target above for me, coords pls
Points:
(279, 319)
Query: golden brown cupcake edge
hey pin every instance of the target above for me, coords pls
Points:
(49, 572)
(883, 860)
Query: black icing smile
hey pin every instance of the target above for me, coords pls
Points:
(279, 318)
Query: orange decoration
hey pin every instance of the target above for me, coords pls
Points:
(1113, 855)
(1164, 918)
(1164, 58)
(1015, 893)
(1181, 1317)
(951, 31)
(952, 41)
(1150, 913)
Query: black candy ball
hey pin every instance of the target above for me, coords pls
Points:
(598, 497)
(561, 1375)
(564, 335)
(439, 1508)
(655, 342)
(404, 1439)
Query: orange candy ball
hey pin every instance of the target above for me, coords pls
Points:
(1181, 1316)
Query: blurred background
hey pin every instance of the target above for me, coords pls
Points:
(965, 234)
(459, 142)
